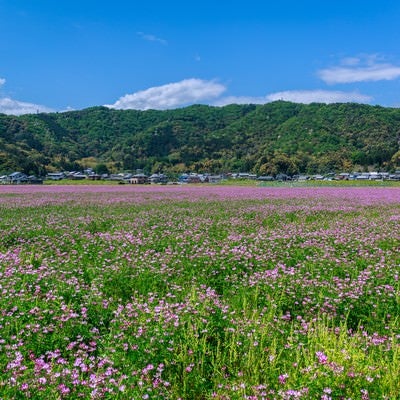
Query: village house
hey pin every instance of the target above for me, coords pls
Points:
(158, 178)
(17, 178)
(139, 179)
(213, 179)
(55, 176)
(94, 177)
(3, 179)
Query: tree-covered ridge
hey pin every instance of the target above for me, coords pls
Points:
(266, 139)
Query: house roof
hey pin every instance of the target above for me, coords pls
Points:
(16, 174)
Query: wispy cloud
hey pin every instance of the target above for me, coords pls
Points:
(223, 101)
(299, 96)
(319, 96)
(15, 107)
(152, 38)
(172, 95)
(359, 69)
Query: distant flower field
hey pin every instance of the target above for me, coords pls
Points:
(178, 292)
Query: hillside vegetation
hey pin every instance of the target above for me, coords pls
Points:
(265, 139)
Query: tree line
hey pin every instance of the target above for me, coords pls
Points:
(278, 137)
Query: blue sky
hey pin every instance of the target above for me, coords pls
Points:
(61, 55)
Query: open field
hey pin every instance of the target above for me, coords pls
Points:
(207, 292)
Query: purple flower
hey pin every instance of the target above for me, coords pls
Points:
(282, 378)
(322, 357)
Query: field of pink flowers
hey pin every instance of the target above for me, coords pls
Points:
(172, 292)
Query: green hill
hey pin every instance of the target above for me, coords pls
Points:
(265, 139)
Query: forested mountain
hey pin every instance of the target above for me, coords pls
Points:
(265, 139)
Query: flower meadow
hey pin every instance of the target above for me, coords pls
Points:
(212, 292)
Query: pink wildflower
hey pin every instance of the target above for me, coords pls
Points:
(282, 378)
(322, 357)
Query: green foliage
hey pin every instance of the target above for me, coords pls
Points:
(278, 137)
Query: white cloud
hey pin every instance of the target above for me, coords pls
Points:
(319, 96)
(152, 38)
(223, 101)
(172, 95)
(360, 69)
(299, 96)
(350, 61)
(14, 107)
